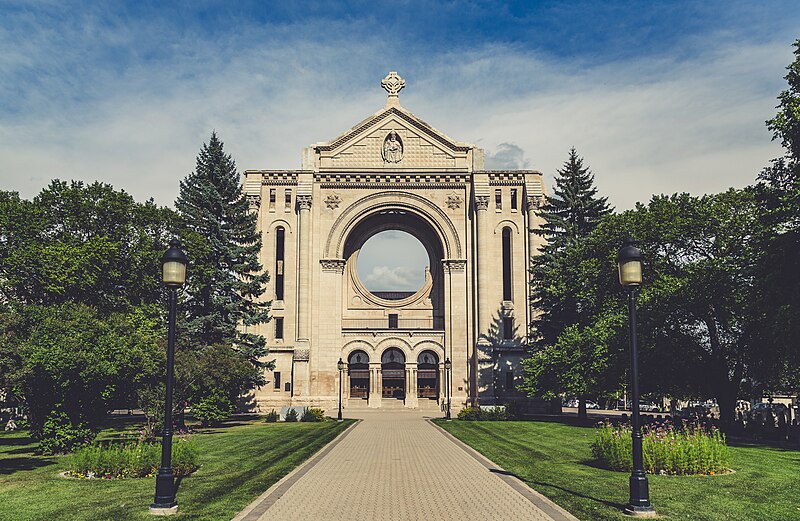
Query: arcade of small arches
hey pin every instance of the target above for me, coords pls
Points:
(392, 374)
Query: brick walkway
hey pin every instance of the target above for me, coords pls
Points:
(394, 465)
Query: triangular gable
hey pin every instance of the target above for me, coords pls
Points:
(415, 145)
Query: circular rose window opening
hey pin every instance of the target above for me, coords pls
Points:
(391, 264)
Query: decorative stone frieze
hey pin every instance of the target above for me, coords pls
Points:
(301, 354)
(454, 265)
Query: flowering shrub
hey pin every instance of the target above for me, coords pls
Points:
(666, 449)
(132, 459)
(483, 413)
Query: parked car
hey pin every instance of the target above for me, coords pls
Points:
(649, 407)
(760, 411)
(591, 405)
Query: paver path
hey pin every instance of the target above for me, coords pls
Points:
(394, 465)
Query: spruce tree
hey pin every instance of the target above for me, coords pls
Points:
(570, 214)
(225, 278)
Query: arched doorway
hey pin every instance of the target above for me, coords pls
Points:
(393, 374)
(428, 375)
(358, 371)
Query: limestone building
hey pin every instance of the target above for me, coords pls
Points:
(393, 171)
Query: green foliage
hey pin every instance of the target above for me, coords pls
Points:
(565, 356)
(59, 435)
(225, 279)
(483, 414)
(291, 415)
(77, 365)
(665, 449)
(81, 243)
(212, 409)
(132, 460)
(272, 416)
(311, 414)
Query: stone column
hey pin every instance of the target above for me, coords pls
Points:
(484, 363)
(412, 400)
(304, 267)
(457, 337)
(375, 385)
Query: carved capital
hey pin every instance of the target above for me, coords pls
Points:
(304, 202)
(454, 265)
(253, 201)
(333, 265)
(301, 354)
(481, 202)
(534, 202)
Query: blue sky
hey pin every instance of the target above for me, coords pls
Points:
(659, 97)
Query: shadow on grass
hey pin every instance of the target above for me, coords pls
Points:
(606, 502)
(5, 442)
(12, 465)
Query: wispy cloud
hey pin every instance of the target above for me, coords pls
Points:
(129, 99)
(398, 278)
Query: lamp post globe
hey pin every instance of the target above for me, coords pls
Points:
(448, 366)
(173, 276)
(340, 365)
(629, 266)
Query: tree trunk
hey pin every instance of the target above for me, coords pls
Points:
(582, 407)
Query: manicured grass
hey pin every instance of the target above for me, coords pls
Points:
(555, 459)
(238, 462)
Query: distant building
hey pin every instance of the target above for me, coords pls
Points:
(393, 171)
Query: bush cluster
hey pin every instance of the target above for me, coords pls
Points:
(311, 414)
(135, 459)
(272, 416)
(291, 416)
(497, 413)
(666, 448)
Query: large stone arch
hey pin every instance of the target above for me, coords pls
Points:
(370, 205)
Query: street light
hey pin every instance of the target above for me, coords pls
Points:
(629, 264)
(448, 365)
(173, 275)
(340, 365)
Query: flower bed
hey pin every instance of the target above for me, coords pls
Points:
(137, 459)
(666, 449)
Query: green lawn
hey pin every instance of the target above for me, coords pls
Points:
(239, 461)
(554, 459)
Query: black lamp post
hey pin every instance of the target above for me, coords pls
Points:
(173, 276)
(629, 264)
(448, 365)
(340, 365)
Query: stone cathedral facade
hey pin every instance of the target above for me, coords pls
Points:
(393, 171)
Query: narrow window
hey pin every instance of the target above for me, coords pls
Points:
(393, 321)
(498, 199)
(287, 198)
(278, 328)
(506, 263)
(276, 379)
(508, 328)
(272, 199)
(287, 387)
(510, 381)
(279, 254)
(513, 199)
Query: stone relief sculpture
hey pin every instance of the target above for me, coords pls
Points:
(392, 148)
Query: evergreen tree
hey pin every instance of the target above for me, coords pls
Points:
(225, 279)
(557, 283)
(574, 210)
